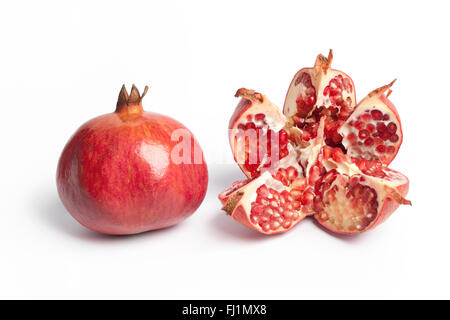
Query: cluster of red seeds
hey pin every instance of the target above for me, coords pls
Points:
(374, 128)
(254, 129)
(273, 210)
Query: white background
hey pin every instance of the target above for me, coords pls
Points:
(62, 63)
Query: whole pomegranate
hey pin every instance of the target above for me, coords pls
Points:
(324, 156)
(128, 171)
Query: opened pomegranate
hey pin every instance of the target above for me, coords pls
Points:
(324, 156)
(122, 173)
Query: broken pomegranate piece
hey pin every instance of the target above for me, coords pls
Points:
(324, 156)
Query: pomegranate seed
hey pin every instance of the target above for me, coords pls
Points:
(366, 117)
(260, 116)
(241, 126)
(286, 224)
(296, 194)
(368, 142)
(394, 138)
(381, 127)
(370, 127)
(288, 214)
(380, 148)
(250, 125)
(378, 141)
(308, 196)
(391, 127)
(337, 155)
(258, 209)
(390, 149)
(386, 117)
(352, 137)
(296, 205)
(275, 225)
(358, 125)
(363, 134)
(254, 218)
(385, 135)
(376, 114)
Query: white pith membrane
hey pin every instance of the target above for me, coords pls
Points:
(249, 137)
(372, 131)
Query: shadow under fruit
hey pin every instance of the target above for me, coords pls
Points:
(117, 175)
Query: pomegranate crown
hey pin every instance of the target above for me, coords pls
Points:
(133, 98)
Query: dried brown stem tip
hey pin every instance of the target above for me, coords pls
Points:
(249, 94)
(133, 98)
(324, 62)
(382, 89)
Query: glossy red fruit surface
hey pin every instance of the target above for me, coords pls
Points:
(120, 172)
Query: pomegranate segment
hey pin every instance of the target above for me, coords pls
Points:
(347, 205)
(317, 92)
(329, 158)
(256, 135)
(349, 200)
(373, 131)
(267, 204)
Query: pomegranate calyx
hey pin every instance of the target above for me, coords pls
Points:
(397, 197)
(130, 103)
(324, 62)
(382, 89)
(231, 202)
(249, 94)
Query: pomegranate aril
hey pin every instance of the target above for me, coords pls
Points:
(265, 226)
(394, 138)
(391, 127)
(352, 137)
(380, 148)
(286, 224)
(366, 117)
(260, 116)
(258, 209)
(268, 211)
(378, 141)
(358, 125)
(368, 142)
(390, 149)
(381, 127)
(370, 127)
(376, 114)
(317, 204)
(288, 214)
(363, 134)
(385, 135)
(250, 125)
(282, 137)
(307, 198)
(296, 194)
(275, 225)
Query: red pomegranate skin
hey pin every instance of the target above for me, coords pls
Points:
(116, 176)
